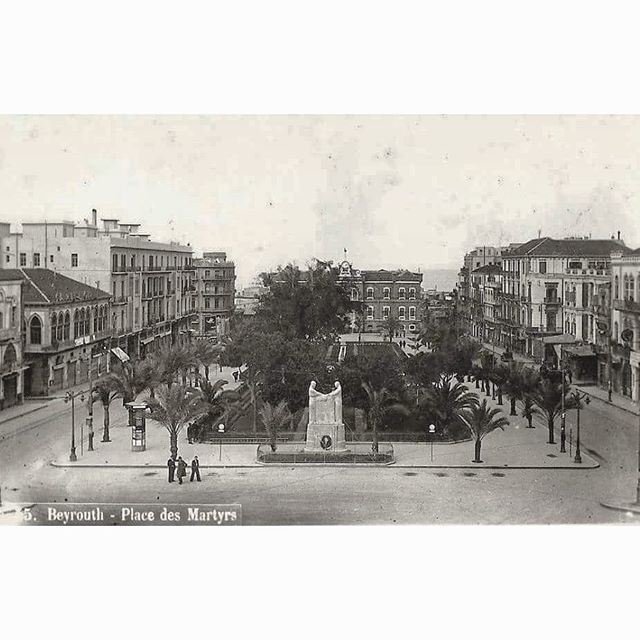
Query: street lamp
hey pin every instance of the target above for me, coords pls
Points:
(563, 415)
(577, 397)
(71, 397)
(221, 432)
(432, 433)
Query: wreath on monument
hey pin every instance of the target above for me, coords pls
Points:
(325, 442)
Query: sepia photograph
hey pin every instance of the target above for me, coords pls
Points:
(294, 320)
(319, 320)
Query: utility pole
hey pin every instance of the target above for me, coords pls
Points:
(563, 412)
(90, 404)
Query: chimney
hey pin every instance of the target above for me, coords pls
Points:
(94, 217)
(618, 235)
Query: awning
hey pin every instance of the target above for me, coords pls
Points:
(563, 338)
(147, 340)
(580, 351)
(120, 354)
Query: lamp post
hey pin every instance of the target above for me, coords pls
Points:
(432, 433)
(563, 414)
(71, 397)
(90, 405)
(578, 397)
(221, 432)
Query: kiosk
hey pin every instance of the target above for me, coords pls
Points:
(137, 422)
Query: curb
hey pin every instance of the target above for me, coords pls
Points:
(610, 404)
(632, 507)
(329, 464)
(21, 415)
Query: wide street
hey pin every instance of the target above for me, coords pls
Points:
(330, 495)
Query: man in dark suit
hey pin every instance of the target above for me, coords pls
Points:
(171, 464)
(195, 469)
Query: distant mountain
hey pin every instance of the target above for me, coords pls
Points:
(440, 279)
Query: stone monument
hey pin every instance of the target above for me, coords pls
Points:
(325, 431)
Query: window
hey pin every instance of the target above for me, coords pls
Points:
(369, 293)
(369, 313)
(36, 259)
(35, 330)
(542, 266)
(401, 312)
(412, 313)
(8, 259)
(207, 273)
(616, 288)
(354, 294)
(401, 293)
(76, 327)
(74, 259)
(574, 264)
(412, 327)
(54, 326)
(51, 258)
(385, 312)
(385, 293)
(67, 326)
(207, 303)
(23, 259)
(412, 293)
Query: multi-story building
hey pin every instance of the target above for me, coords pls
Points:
(385, 294)
(11, 354)
(67, 330)
(486, 303)
(481, 256)
(151, 283)
(550, 294)
(625, 323)
(248, 299)
(215, 278)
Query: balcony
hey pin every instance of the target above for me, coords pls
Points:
(553, 301)
(588, 272)
(626, 305)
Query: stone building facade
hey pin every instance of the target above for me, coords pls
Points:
(67, 329)
(214, 293)
(11, 353)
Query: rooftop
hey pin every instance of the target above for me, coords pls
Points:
(569, 247)
(44, 286)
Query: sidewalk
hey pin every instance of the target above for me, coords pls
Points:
(616, 399)
(29, 406)
(516, 448)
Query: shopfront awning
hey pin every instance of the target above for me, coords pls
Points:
(120, 354)
(580, 351)
(563, 338)
(147, 340)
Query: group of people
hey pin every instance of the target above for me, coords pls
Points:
(178, 469)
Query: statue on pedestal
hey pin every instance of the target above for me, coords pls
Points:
(325, 431)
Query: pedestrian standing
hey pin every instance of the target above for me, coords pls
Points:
(171, 464)
(195, 469)
(182, 469)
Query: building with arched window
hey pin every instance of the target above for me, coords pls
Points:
(65, 331)
(11, 354)
(625, 316)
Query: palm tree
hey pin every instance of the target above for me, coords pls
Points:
(381, 401)
(447, 401)
(390, 326)
(105, 390)
(216, 399)
(514, 385)
(481, 420)
(252, 377)
(173, 407)
(548, 398)
(529, 408)
(130, 379)
(176, 361)
(206, 353)
(273, 417)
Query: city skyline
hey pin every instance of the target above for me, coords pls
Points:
(416, 191)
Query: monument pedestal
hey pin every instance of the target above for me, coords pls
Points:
(325, 438)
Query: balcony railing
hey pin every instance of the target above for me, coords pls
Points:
(626, 305)
(552, 301)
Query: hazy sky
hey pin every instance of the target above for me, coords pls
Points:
(395, 191)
